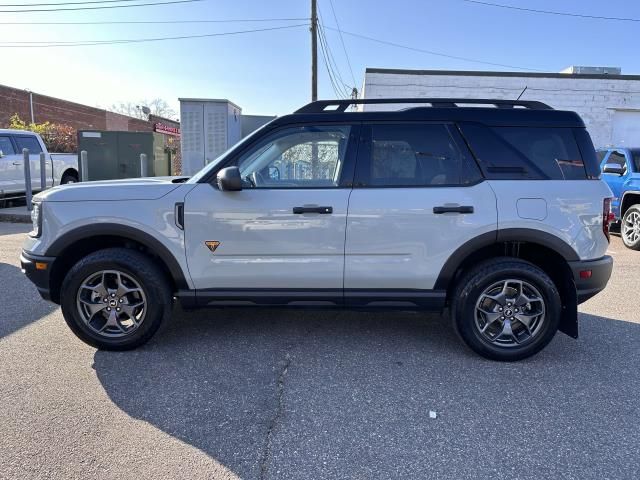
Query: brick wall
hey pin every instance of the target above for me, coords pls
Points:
(594, 99)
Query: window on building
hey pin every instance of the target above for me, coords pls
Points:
(6, 147)
(28, 142)
(417, 155)
(554, 151)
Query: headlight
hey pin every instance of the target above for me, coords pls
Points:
(36, 219)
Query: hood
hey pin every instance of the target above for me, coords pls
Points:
(128, 189)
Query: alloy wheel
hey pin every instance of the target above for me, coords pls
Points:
(510, 313)
(111, 303)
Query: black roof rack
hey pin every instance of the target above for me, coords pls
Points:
(332, 106)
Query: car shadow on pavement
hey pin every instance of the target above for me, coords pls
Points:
(15, 312)
(291, 394)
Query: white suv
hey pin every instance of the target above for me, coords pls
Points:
(491, 208)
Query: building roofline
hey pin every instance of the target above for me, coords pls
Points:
(486, 73)
(211, 100)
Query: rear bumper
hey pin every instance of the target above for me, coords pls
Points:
(590, 284)
(38, 270)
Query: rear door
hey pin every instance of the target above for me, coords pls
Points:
(418, 196)
(34, 146)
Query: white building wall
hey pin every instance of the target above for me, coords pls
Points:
(594, 99)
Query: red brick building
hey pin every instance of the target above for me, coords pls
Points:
(82, 117)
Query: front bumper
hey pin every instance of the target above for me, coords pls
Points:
(38, 270)
(590, 284)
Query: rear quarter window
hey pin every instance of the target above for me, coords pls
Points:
(552, 150)
(530, 153)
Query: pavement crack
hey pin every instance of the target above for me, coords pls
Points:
(266, 455)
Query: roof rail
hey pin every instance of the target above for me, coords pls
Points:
(330, 106)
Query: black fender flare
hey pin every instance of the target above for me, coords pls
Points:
(455, 260)
(125, 232)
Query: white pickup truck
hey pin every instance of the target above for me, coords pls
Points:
(61, 168)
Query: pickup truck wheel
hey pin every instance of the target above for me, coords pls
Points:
(115, 299)
(506, 309)
(69, 178)
(630, 227)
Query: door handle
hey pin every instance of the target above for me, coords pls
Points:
(453, 209)
(324, 210)
(17, 164)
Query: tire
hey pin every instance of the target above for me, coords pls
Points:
(473, 310)
(115, 280)
(69, 177)
(630, 227)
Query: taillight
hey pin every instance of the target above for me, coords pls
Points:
(607, 216)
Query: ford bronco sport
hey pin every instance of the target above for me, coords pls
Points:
(493, 209)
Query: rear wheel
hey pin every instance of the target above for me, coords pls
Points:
(115, 299)
(69, 177)
(630, 227)
(506, 309)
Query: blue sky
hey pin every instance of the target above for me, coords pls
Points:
(268, 72)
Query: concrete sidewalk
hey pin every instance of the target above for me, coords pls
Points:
(15, 214)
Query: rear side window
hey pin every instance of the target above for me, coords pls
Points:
(554, 151)
(636, 160)
(28, 142)
(6, 147)
(414, 155)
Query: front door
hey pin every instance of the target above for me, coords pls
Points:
(281, 238)
(418, 196)
(11, 172)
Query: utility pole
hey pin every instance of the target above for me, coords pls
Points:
(314, 51)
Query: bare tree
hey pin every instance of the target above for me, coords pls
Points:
(157, 106)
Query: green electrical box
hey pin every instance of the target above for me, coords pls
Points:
(112, 155)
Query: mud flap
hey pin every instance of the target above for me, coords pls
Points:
(569, 315)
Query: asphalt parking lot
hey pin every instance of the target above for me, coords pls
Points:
(308, 395)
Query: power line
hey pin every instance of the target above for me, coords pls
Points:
(333, 65)
(63, 3)
(332, 62)
(344, 48)
(80, 43)
(153, 22)
(327, 64)
(552, 12)
(431, 52)
(97, 8)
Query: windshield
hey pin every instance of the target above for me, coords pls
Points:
(220, 158)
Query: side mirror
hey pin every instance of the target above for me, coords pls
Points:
(229, 179)
(613, 168)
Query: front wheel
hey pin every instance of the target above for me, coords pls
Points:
(115, 299)
(506, 309)
(630, 227)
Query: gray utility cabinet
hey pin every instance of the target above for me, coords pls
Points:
(112, 155)
(208, 127)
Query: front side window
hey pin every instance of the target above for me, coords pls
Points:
(30, 143)
(297, 157)
(6, 147)
(415, 155)
(619, 159)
